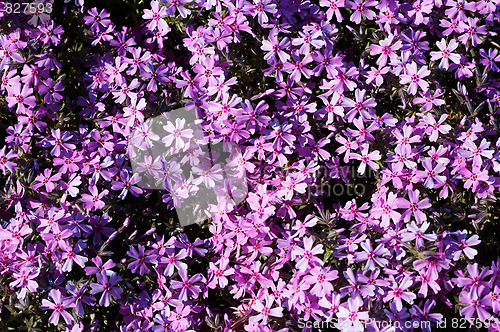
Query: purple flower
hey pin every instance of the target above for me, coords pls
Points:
(361, 9)
(475, 305)
(140, 260)
(189, 287)
(126, 184)
(106, 285)
(276, 47)
(5, 160)
(51, 91)
(474, 282)
(177, 134)
(372, 256)
(97, 21)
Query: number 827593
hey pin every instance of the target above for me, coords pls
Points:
(28, 7)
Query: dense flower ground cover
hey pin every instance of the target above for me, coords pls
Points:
(369, 136)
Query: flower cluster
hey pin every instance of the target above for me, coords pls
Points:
(398, 98)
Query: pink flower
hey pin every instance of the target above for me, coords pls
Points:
(434, 128)
(386, 209)
(398, 292)
(386, 49)
(263, 308)
(155, 15)
(177, 134)
(94, 201)
(59, 305)
(414, 206)
(367, 158)
(21, 99)
(415, 78)
(445, 53)
(46, 179)
(190, 287)
(308, 254)
(350, 312)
